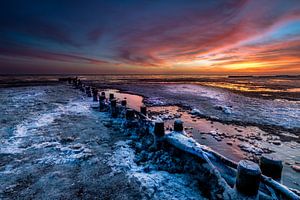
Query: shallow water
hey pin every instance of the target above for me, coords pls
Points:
(133, 101)
(232, 141)
(236, 142)
(214, 102)
(277, 112)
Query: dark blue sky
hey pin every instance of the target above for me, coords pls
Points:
(150, 36)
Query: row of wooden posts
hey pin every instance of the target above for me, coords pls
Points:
(249, 174)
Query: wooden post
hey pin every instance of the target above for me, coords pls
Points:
(101, 102)
(82, 87)
(124, 103)
(88, 91)
(78, 84)
(111, 96)
(95, 94)
(159, 128)
(178, 125)
(248, 178)
(143, 110)
(129, 114)
(271, 166)
(113, 108)
(113, 103)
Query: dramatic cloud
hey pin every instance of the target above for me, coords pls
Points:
(255, 36)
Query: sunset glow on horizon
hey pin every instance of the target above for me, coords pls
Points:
(205, 37)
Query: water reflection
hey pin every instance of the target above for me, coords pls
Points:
(234, 142)
(133, 101)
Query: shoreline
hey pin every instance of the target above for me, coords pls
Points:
(274, 129)
(96, 89)
(268, 128)
(286, 95)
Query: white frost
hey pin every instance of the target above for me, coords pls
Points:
(29, 127)
(154, 184)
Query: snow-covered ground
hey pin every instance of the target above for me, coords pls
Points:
(154, 184)
(53, 141)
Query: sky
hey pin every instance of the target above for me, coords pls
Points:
(150, 37)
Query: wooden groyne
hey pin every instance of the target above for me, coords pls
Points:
(222, 177)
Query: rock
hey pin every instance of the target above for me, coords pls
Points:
(296, 168)
(276, 142)
(229, 143)
(67, 140)
(288, 163)
(250, 149)
(196, 112)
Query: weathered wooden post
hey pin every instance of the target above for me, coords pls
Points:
(113, 103)
(75, 81)
(113, 107)
(143, 110)
(78, 84)
(89, 92)
(124, 102)
(271, 166)
(159, 133)
(111, 96)
(82, 87)
(248, 178)
(95, 94)
(101, 103)
(129, 114)
(159, 129)
(178, 125)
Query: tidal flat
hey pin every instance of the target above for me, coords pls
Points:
(52, 139)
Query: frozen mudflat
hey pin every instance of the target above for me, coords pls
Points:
(55, 146)
(222, 104)
(237, 126)
(154, 184)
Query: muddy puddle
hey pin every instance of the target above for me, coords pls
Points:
(233, 141)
